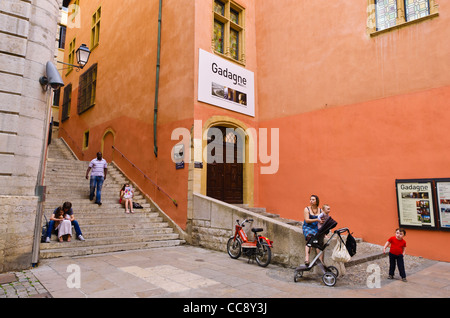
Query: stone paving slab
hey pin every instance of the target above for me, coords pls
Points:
(195, 273)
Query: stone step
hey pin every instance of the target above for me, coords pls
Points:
(121, 230)
(104, 209)
(111, 240)
(99, 249)
(366, 252)
(124, 228)
(97, 231)
(136, 218)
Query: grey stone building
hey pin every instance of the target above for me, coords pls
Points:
(27, 42)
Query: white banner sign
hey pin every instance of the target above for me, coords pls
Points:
(224, 84)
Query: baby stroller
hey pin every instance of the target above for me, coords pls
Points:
(330, 273)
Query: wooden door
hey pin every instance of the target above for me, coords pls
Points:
(225, 167)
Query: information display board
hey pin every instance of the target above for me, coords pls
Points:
(415, 203)
(443, 202)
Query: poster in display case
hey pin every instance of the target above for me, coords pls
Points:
(416, 203)
(443, 203)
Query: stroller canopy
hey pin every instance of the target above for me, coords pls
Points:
(327, 226)
(317, 240)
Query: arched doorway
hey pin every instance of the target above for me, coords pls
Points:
(107, 143)
(225, 169)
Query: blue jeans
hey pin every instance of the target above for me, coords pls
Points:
(51, 225)
(96, 182)
(400, 264)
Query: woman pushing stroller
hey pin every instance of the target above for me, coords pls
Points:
(311, 223)
(317, 225)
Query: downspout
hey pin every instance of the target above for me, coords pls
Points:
(155, 109)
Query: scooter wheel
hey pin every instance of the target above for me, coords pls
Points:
(329, 279)
(298, 275)
(234, 248)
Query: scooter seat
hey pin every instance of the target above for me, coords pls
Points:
(257, 229)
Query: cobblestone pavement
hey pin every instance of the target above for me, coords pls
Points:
(22, 285)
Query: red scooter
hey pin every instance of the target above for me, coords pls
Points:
(259, 249)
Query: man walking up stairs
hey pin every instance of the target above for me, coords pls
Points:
(106, 228)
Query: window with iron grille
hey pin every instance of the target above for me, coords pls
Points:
(391, 14)
(87, 89)
(67, 101)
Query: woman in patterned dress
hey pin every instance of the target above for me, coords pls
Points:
(126, 194)
(310, 224)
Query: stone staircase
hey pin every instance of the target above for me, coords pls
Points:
(106, 228)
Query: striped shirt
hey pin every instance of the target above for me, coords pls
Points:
(98, 167)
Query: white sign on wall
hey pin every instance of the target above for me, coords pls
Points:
(224, 84)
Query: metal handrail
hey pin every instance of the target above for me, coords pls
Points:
(145, 176)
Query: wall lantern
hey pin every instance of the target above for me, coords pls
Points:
(82, 55)
(52, 77)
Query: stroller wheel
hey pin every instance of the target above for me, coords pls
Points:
(334, 270)
(298, 275)
(329, 279)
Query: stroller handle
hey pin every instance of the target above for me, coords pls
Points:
(342, 230)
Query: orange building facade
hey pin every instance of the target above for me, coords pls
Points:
(332, 99)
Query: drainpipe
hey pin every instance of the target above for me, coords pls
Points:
(155, 109)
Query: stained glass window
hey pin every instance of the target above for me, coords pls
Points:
(234, 16)
(386, 13)
(234, 44)
(219, 7)
(229, 29)
(218, 36)
(416, 9)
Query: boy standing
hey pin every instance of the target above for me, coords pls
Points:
(396, 253)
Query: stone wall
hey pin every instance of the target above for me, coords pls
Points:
(16, 231)
(27, 42)
(213, 221)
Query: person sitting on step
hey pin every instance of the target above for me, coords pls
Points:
(66, 209)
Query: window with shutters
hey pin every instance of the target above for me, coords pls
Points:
(67, 101)
(87, 89)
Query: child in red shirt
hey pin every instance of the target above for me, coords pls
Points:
(396, 253)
